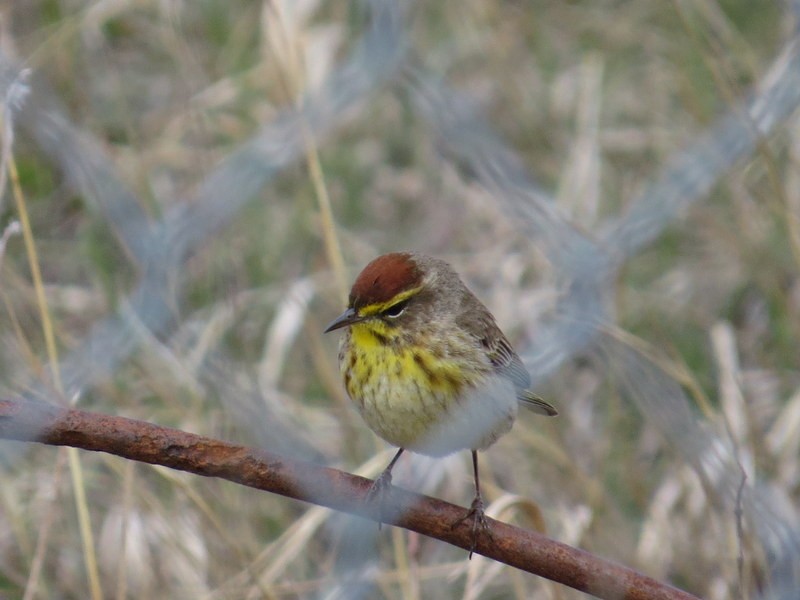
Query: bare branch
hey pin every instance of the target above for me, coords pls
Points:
(154, 444)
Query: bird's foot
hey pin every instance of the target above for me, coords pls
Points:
(377, 491)
(479, 522)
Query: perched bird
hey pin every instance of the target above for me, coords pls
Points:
(427, 366)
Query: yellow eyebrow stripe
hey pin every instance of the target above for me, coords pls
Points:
(379, 307)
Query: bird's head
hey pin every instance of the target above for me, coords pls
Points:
(396, 291)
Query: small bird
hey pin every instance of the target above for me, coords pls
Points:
(426, 365)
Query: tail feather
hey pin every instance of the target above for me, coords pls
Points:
(531, 401)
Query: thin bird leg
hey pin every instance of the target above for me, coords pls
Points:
(475, 512)
(381, 484)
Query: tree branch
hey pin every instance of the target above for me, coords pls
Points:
(153, 444)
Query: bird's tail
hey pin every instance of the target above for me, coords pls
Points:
(532, 402)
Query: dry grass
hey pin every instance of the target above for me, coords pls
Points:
(595, 98)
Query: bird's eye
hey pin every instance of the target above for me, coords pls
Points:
(396, 310)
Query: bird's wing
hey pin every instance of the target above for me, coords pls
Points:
(502, 356)
(508, 363)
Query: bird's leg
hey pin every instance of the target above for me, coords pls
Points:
(381, 484)
(475, 512)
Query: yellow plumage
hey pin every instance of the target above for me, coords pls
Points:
(416, 394)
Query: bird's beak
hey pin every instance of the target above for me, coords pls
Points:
(345, 319)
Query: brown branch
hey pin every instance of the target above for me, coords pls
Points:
(149, 443)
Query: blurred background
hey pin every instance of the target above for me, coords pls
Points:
(617, 181)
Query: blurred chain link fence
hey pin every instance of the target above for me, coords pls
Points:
(587, 262)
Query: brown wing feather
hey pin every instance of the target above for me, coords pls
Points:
(508, 363)
(504, 359)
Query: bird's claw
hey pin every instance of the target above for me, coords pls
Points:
(479, 521)
(377, 491)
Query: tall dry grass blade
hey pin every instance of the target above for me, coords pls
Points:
(288, 46)
(79, 486)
